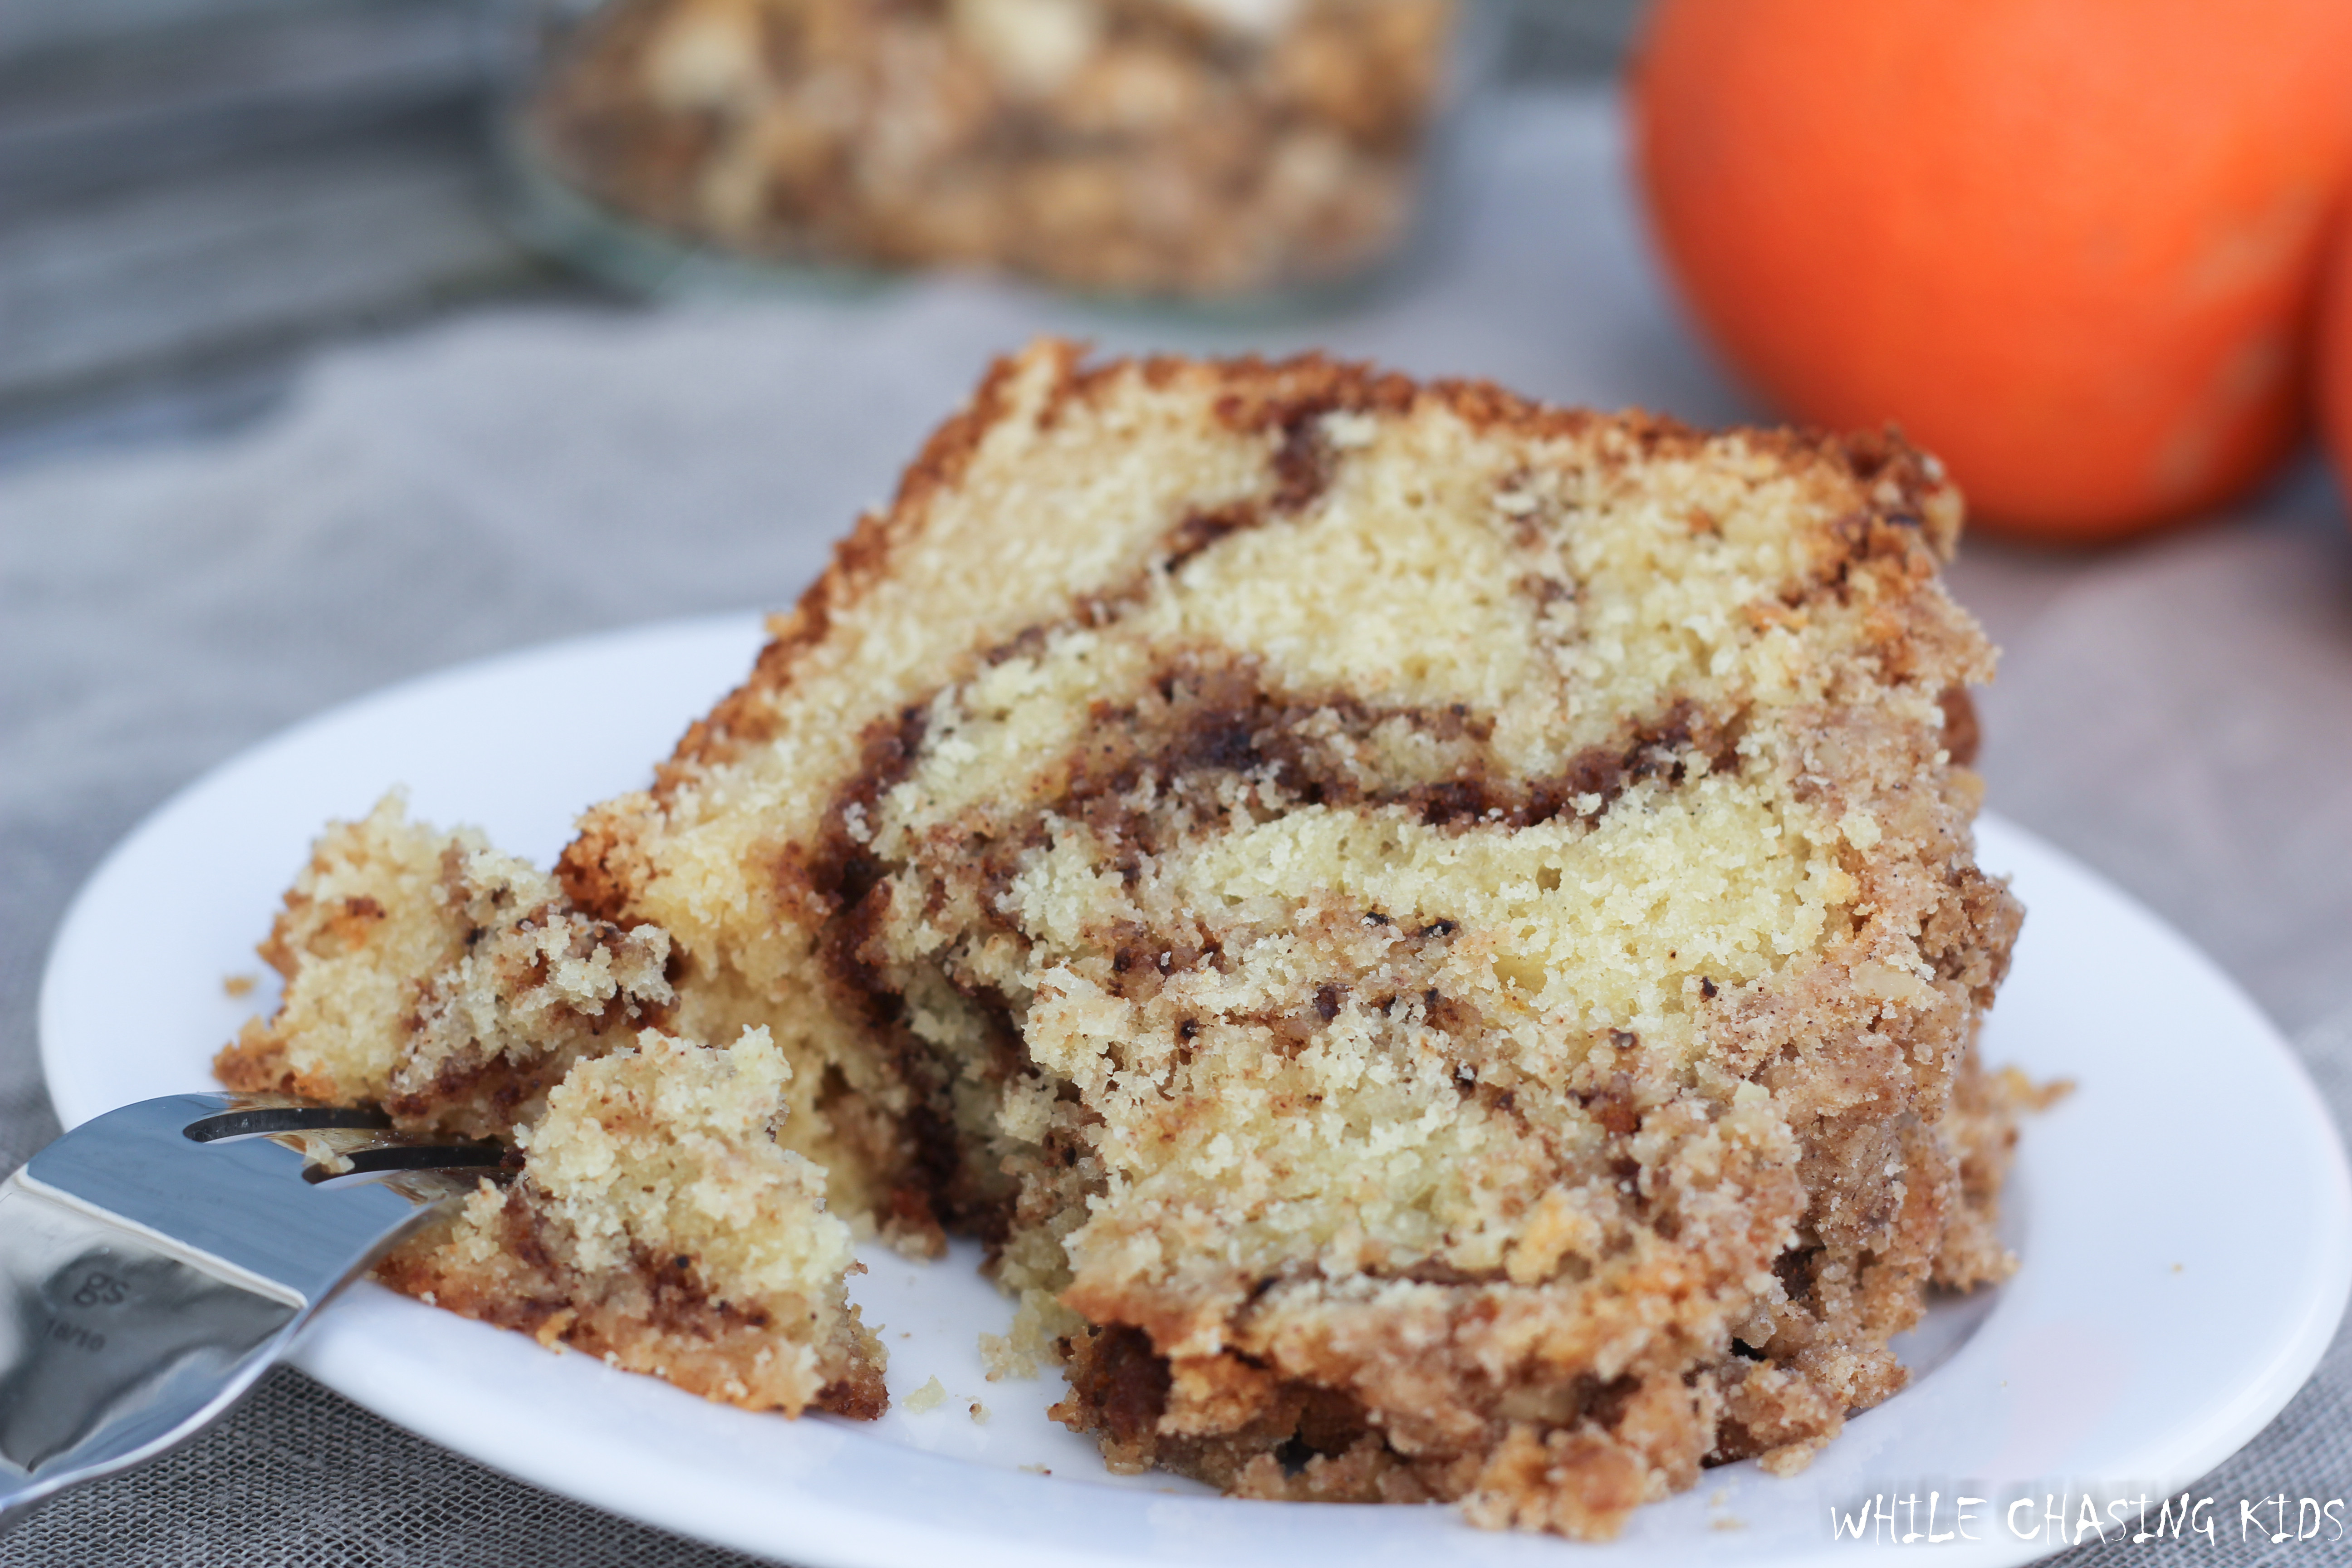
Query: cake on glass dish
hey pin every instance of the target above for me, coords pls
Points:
(1191, 148)
(1435, 939)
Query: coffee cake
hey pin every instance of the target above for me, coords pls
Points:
(1436, 938)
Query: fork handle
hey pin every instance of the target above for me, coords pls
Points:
(157, 1259)
(114, 1345)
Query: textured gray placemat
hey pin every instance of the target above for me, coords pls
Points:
(301, 1478)
(2179, 715)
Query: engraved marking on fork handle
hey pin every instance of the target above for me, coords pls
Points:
(108, 1345)
(156, 1241)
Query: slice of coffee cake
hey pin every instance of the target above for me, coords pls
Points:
(1436, 938)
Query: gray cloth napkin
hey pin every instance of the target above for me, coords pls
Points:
(2179, 715)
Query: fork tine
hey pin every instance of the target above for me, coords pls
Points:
(408, 1157)
(240, 1199)
(261, 1118)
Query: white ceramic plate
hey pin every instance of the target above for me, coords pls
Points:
(2184, 1218)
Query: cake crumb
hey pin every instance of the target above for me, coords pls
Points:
(1039, 1469)
(978, 1414)
(2029, 1095)
(240, 985)
(1002, 1359)
(927, 1398)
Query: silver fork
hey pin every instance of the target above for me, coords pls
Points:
(157, 1259)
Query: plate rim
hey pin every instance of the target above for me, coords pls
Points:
(853, 1543)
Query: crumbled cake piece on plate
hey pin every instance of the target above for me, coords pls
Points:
(655, 1220)
(431, 975)
(1434, 938)
(658, 1224)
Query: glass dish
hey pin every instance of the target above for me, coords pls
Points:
(1217, 151)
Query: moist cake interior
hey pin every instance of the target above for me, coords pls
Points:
(1436, 938)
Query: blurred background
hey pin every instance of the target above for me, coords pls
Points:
(196, 193)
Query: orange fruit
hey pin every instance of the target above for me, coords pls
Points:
(2335, 368)
(2071, 247)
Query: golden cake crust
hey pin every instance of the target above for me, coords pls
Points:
(1903, 500)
